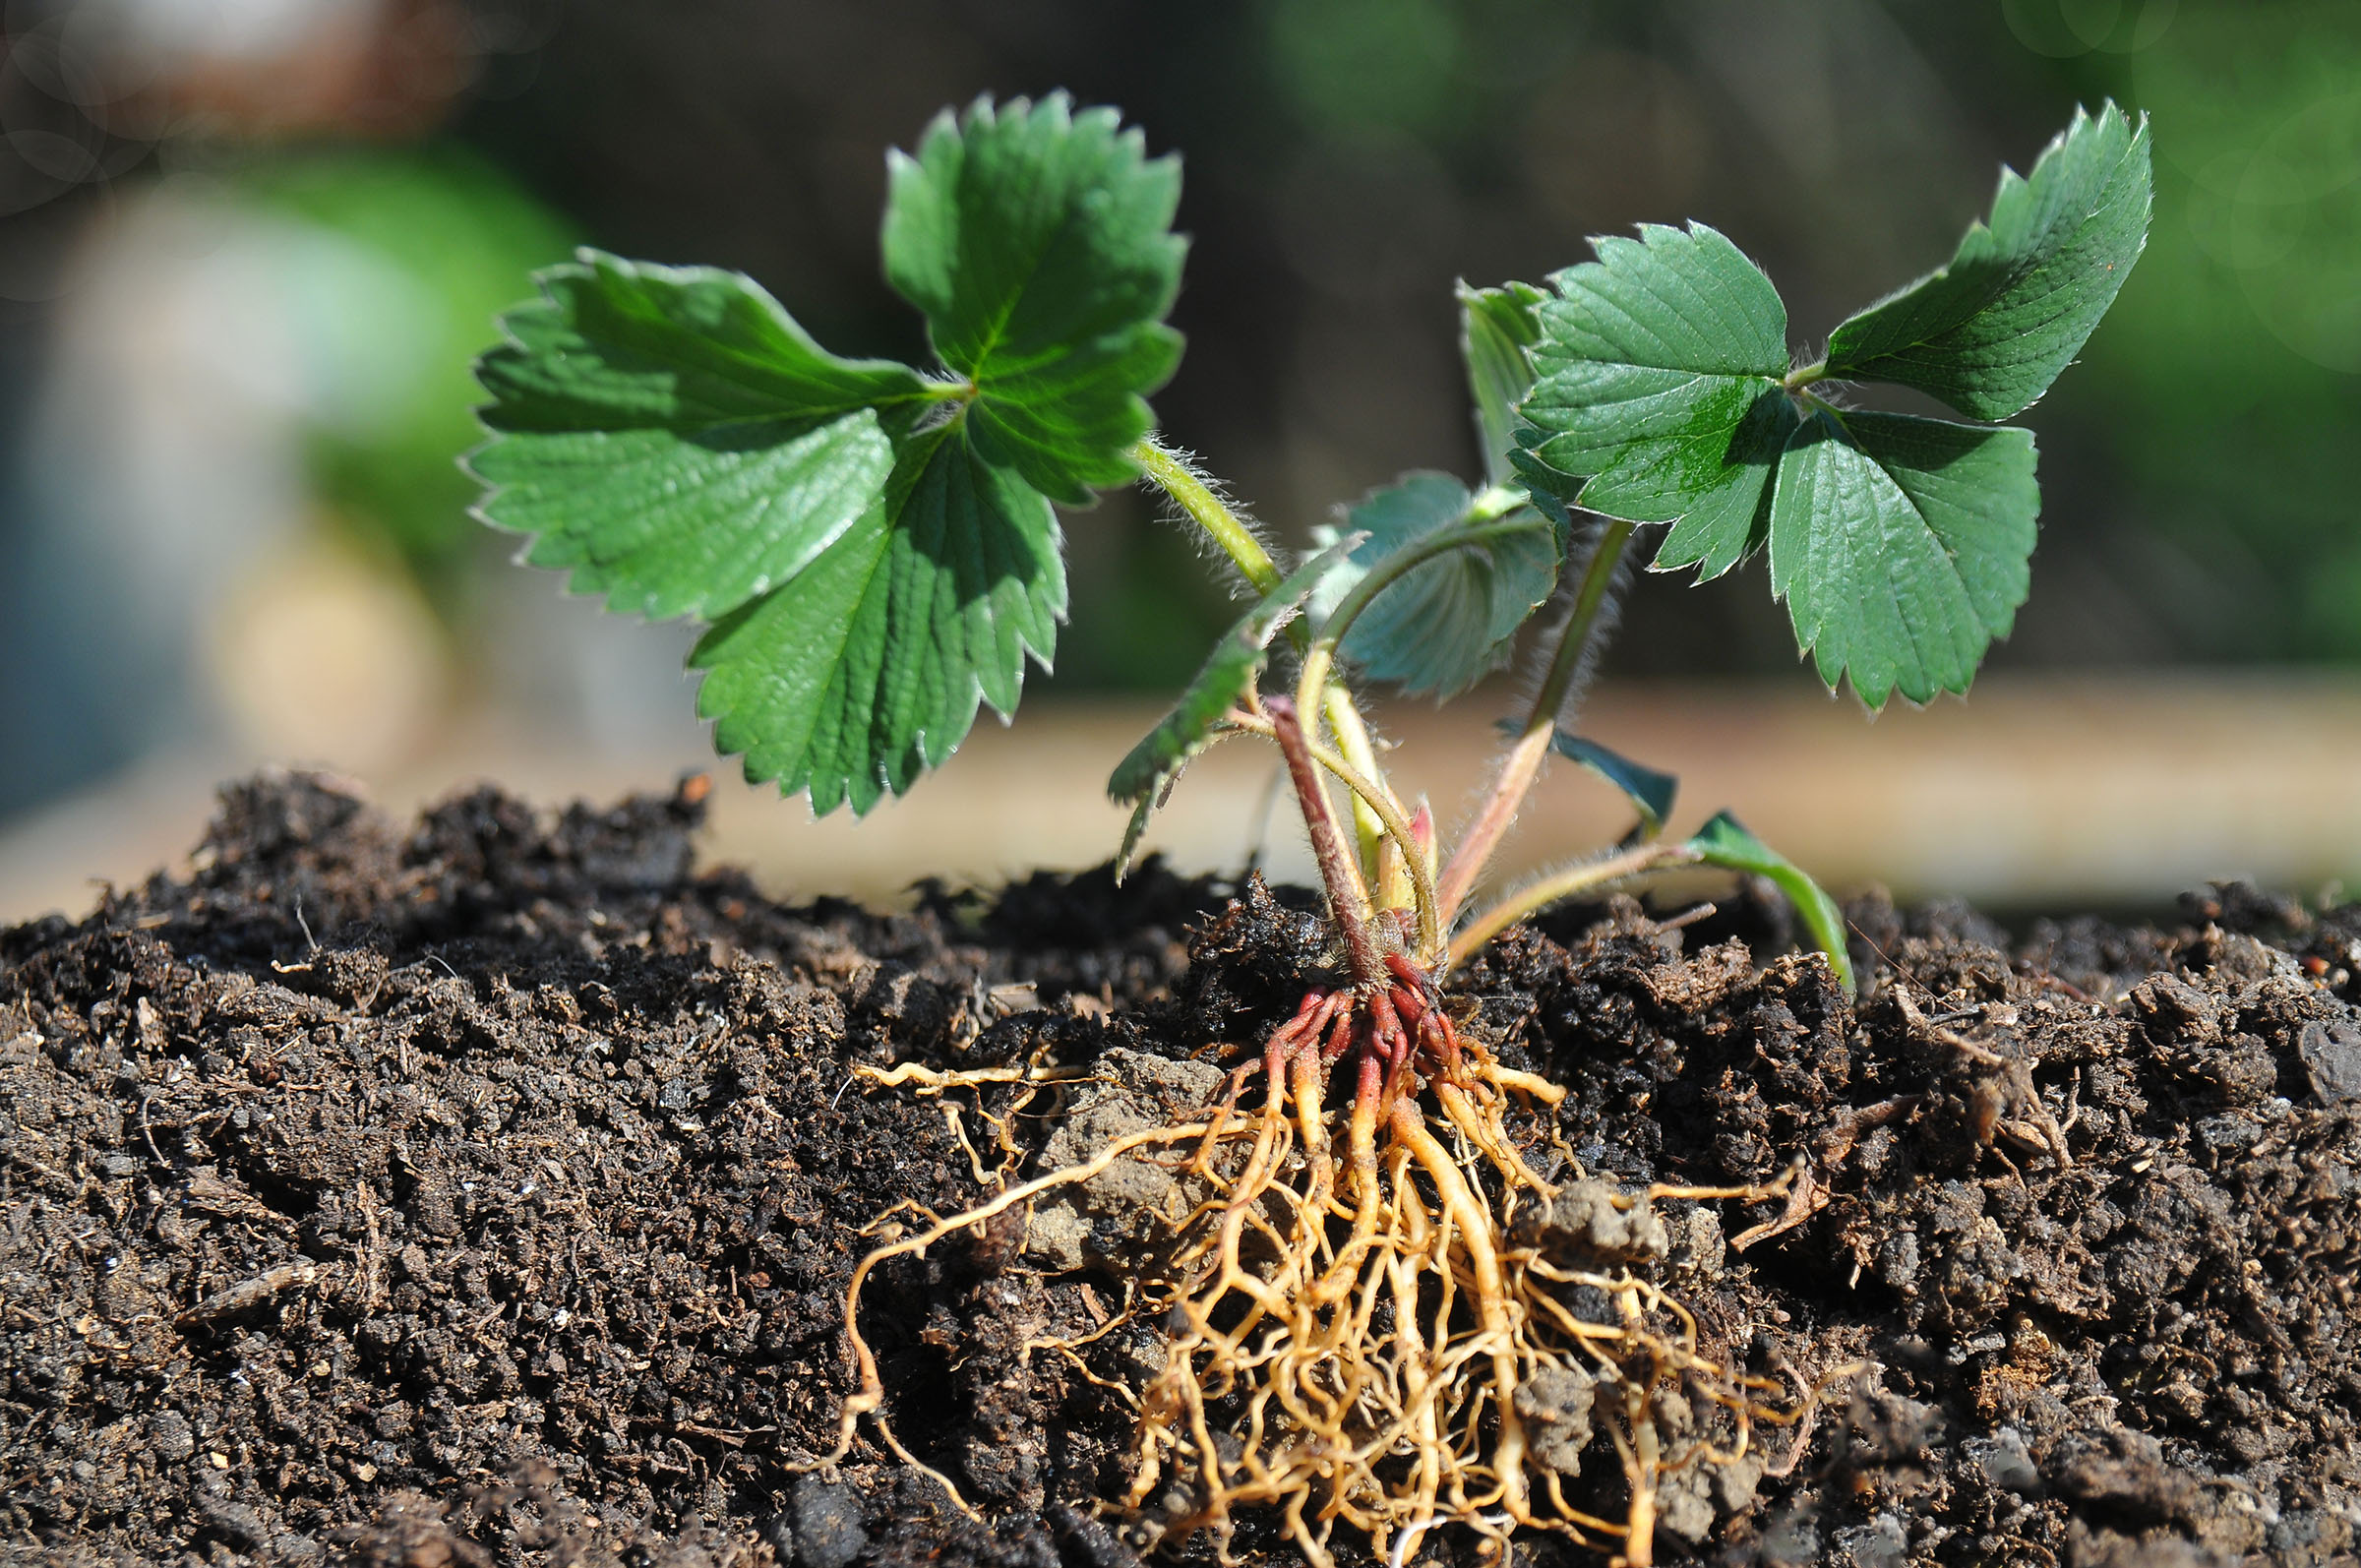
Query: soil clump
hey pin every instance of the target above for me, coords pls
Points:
(484, 1191)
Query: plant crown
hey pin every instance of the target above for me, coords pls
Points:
(875, 551)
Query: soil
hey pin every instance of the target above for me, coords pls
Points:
(483, 1191)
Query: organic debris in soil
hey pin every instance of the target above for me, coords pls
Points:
(486, 1191)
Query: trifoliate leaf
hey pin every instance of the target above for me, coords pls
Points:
(867, 668)
(680, 445)
(1496, 327)
(1227, 673)
(1901, 546)
(1659, 367)
(1039, 243)
(1724, 841)
(674, 439)
(1989, 333)
(1449, 622)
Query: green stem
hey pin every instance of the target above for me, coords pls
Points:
(1319, 658)
(1797, 379)
(1225, 528)
(1205, 508)
(1523, 763)
(1564, 884)
(1353, 742)
(1372, 804)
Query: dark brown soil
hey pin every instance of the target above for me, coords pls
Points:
(484, 1191)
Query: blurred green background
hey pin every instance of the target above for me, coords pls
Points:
(242, 274)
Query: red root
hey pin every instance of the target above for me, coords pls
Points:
(1394, 1036)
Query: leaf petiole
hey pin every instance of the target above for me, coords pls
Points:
(1539, 895)
(1176, 479)
(1368, 790)
(1175, 476)
(1522, 764)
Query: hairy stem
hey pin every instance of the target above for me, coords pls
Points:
(1225, 528)
(1368, 792)
(1523, 763)
(1353, 743)
(1316, 685)
(1346, 899)
(1564, 884)
(1205, 508)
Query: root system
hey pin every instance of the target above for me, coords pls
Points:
(1380, 1318)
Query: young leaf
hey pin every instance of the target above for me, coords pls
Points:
(674, 439)
(1659, 382)
(1901, 546)
(1447, 622)
(1039, 244)
(1724, 841)
(867, 668)
(1989, 333)
(1496, 328)
(1650, 792)
(1227, 673)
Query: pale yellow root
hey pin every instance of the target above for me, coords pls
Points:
(870, 1398)
(1353, 1331)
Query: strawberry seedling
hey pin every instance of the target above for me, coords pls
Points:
(1371, 1322)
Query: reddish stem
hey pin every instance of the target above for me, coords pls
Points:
(1327, 845)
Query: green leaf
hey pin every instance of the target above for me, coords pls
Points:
(1659, 367)
(1552, 493)
(868, 666)
(1496, 328)
(1228, 671)
(674, 439)
(1724, 841)
(1039, 243)
(1650, 792)
(1901, 546)
(678, 445)
(1449, 622)
(1989, 333)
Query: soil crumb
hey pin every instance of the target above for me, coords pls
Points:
(482, 1191)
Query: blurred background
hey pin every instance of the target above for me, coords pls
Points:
(249, 246)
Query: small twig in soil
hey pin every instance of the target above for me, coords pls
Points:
(251, 1292)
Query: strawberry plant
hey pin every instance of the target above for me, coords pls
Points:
(1364, 1330)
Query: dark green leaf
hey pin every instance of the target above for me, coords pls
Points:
(674, 441)
(1901, 546)
(1650, 792)
(1724, 841)
(1496, 327)
(1227, 673)
(1552, 493)
(867, 668)
(1449, 622)
(1039, 243)
(1659, 367)
(1989, 333)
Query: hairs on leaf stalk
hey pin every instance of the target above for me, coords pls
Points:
(1383, 1318)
